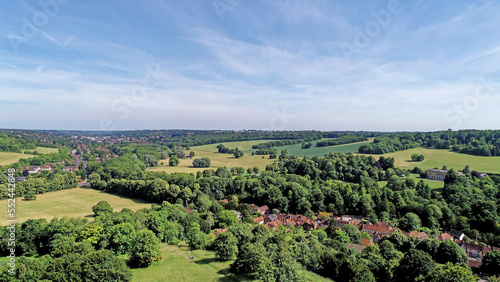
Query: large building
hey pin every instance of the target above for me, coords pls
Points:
(436, 174)
(439, 174)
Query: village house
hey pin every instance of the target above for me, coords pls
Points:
(216, 232)
(262, 210)
(259, 220)
(472, 250)
(457, 235)
(46, 167)
(238, 215)
(444, 236)
(420, 235)
(72, 169)
(20, 178)
(377, 231)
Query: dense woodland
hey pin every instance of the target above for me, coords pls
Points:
(106, 249)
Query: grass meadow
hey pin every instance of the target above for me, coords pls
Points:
(442, 157)
(176, 266)
(434, 184)
(76, 202)
(297, 151)
(228, 160)
(218, 159)
(7, 158)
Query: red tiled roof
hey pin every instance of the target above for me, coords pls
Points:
(259, 219)
(366, 242)
(220, 231)
(445, 236)
(186, 209)
(381, 227)
(474, 263)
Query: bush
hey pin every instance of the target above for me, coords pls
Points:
(173, 160)
(203, 162)
(102, 207)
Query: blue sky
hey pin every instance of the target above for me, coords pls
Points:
(241, 64)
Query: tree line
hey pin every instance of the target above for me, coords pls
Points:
(341, 140)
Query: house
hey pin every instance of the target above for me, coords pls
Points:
(273, 224)
(33, 169)
(377, 230)
(445, 236)
(20, 179)
(218, 231)
(187, 210)
(238, 215)
(366, 242)
(263, 210)
(436, 174)
(46, 167)
(474, 263)
(259, 220)
(310, 224)
(269, 218)
(72, 169)
(324, 214)
(457, 235)
(420, 235)
(472, 250)
(341, 223)
(225, 201)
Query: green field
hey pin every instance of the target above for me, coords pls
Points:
(176, 266)
(434, 184)
(45, 150)
(297, 151)
(442, 157)
(76, 202)
(245, 146)
(7, 158)
(218, 159)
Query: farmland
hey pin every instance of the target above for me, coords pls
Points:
(442, 157)
(218, 159)
(296, 149)
(228, 160)
(7, 158)
(76, 202)
(176, 266)
(45, 150)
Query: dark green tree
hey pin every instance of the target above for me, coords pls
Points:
(226, 246)
(102, 207)
(145, 249)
